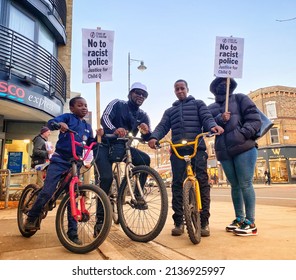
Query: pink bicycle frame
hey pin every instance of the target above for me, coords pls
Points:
(76, 213)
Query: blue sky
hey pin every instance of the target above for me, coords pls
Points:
(176, 40)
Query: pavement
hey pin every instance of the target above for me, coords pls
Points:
(276, 239)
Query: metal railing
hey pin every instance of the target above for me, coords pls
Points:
(24, 58)
(4, 185)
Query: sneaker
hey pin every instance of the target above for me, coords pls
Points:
(178, 230)
(205, 231)
(31, 224)
(246, 229)
(75, 239)
(141, 203)
(234, 225)
(97, 229)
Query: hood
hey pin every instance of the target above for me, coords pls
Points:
(216, 82)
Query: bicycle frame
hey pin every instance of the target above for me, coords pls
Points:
(76, 213)
(128, 162)
(187, 158)
(129, 165)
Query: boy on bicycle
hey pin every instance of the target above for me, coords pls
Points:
(60, 161)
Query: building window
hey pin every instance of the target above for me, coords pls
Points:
(271, 110)
(274, 135)
(46, 40)
(21, 23)
(32, 28)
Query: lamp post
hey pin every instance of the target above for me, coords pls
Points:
(141, 67)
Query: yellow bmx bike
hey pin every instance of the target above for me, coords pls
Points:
(191, 193)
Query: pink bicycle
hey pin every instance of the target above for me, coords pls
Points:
(83, 201)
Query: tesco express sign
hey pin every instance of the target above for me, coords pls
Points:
(12, 89)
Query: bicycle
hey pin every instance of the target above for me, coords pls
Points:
(142, 207)
(192, 205)
(83, 200)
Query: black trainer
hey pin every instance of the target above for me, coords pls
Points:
(31, 224)
(205, 230)
(246, 229)
(75, 239)
(234, 225)
(141, 203)
(178, 230)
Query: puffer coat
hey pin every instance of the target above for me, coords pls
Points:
(240, 130)
(186, 118)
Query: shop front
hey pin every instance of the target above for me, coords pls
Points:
(281, 163)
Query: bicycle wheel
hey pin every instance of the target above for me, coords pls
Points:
(113, 199)
(191, 213)
(26, 201)
(143, 222)
(85, 228)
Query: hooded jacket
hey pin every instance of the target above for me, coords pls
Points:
(187, 118)
(240, 130)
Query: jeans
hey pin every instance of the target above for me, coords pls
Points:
(240, 171)
(199, 164)
(53, 175)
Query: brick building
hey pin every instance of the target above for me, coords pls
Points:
(277, 149)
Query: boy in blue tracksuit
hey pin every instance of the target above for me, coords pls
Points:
(60, 160)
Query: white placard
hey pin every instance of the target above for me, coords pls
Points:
(229, 57)
(97, 55)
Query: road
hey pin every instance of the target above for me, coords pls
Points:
(280, 195)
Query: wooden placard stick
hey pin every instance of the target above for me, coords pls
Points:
(227, 94)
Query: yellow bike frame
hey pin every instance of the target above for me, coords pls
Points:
(187, 158)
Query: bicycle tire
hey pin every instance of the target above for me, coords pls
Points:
(143, 225)
(191, 213)
(26, 201)
(113, 199)
(85, 229)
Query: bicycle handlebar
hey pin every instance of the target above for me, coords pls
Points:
(75, 143)
(185, 143)
(58, 126)
(128, 137)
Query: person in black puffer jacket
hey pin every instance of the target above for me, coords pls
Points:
(236, 150)
(187, 118)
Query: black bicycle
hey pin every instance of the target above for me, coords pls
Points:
(138, 196)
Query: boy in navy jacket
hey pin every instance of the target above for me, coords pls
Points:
(60, 160)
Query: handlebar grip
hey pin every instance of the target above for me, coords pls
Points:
(58, 126)
(110, 136)
(55, 125)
